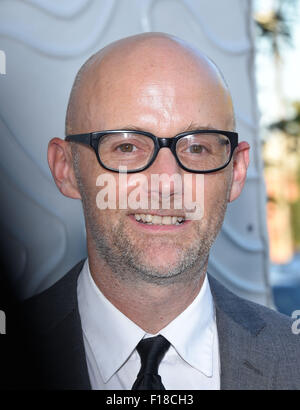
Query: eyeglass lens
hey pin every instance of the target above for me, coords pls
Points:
(198, 152)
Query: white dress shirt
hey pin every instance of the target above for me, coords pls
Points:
(110, 339)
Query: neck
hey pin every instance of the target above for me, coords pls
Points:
(150, 306)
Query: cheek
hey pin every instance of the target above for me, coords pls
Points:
(132, 191)
(90, 169)
(126, 183)
(216, 191)
(93, 179)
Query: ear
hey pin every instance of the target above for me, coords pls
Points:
(61, 166)
(240, 165)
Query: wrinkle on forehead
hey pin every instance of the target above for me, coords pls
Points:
(155, 57)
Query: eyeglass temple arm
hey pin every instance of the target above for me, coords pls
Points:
(82, 138)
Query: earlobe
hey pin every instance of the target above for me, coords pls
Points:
(60, 163)
(240, 165)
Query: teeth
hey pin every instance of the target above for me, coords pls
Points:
(156, 220)
(159, 220)
(166, 220)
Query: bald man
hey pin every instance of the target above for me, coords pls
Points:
(141, 312)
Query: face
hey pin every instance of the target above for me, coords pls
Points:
(164, 98)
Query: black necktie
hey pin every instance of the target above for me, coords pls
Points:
(151, 351)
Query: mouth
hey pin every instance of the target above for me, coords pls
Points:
(156, 223)
(149, 219)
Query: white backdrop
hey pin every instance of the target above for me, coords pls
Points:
(45, 43)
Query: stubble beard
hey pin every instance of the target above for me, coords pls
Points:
(125, 255)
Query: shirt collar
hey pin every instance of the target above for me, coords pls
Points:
(192, 332)
(107, 329)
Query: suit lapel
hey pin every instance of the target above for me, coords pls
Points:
(244, 361)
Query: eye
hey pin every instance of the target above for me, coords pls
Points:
(196, 149)
(126, 147)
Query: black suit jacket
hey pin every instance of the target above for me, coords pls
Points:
(257, 347)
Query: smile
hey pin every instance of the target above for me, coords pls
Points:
(159, 220)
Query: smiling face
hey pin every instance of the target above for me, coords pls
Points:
(157, 85)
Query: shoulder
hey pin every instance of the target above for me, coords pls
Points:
(250, 314)
(48, 328)
(43, 309)
(271, 333)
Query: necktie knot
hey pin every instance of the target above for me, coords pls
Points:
(151, 351)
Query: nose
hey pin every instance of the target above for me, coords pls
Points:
(165, 163)
(164, 175)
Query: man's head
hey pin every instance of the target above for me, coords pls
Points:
(155, 83)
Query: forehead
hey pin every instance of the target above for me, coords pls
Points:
(160, 88)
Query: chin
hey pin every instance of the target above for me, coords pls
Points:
(162, 261)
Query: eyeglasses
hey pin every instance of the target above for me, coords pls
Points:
(198, 151)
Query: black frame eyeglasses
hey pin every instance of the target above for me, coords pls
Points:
(93, 140)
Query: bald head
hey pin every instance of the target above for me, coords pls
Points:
(124, 69)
